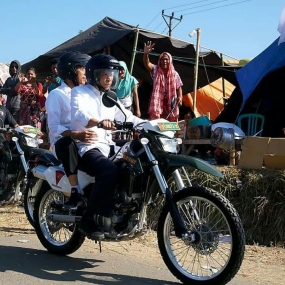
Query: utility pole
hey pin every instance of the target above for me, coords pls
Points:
(170, 29)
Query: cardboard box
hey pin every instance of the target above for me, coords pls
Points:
(275, 154)
(198, 132)
(257, 151)
(253, 150)
(274, 161)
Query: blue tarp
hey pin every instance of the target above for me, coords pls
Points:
(272, 58)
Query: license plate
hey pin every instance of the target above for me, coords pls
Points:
(168, 126)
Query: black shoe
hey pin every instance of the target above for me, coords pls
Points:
(73, 200)
(89, 228)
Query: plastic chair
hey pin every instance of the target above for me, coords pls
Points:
(254, 123)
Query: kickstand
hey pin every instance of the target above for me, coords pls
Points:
(100, 245)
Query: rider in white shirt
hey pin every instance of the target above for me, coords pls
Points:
(88, 111)
(71, 69)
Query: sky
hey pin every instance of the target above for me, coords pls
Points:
(239, 28)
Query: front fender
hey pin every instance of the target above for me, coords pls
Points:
(183, 160)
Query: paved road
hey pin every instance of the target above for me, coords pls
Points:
(29, 263)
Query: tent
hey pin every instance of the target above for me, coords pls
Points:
(126, 42)
(210, 98)
(261, 90)
(4, 72)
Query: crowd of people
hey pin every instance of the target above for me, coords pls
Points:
(80, 126)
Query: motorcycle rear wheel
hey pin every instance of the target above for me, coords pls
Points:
(218, 250)
(29, 199)
(57, 238)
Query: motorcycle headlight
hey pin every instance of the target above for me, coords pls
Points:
(170, 145)
(32, 142)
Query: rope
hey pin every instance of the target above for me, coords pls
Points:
(188, 60)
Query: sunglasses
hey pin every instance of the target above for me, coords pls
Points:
(14, 66)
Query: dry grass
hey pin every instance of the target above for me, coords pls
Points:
(257, 195)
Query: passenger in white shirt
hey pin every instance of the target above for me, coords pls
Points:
(88, 111)
(71, 69)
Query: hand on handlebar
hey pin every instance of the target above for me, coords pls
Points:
(107, 125)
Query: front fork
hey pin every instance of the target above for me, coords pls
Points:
(22, 154)
(179, 225)
(23, 182)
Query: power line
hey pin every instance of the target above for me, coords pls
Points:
(171, 18)
(173, 8)
(216, 7)
(158, 26)
(202, 5)
(187, 4)
(152, 20)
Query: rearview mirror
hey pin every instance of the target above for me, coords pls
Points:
(109, 100)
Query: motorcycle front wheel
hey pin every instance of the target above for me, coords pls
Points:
(58, 238)
(216, 254)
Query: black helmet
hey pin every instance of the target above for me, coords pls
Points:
(99, 63)
(67, 63)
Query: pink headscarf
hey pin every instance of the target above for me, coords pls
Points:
(163, 86)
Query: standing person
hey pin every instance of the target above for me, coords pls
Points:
(166, 85)
(127, 91)
(71, 68)
(53, 80)
(13, 98)
(6, 118)
(88, 111)
(30, 91)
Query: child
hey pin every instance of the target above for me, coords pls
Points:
(187, 117)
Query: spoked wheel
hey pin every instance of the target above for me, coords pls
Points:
(153, 213)
(29, 199)
(214, 250)
(57, 238)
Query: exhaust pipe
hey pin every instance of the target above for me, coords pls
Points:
(64, 218)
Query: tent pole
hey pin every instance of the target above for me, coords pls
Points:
(134, 51)
(196, 69)
(223, 81)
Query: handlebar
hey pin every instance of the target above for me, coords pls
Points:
(120, 125)
(3, 130)
(123, 126)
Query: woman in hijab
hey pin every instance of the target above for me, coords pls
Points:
(127, 90)
(166, 86)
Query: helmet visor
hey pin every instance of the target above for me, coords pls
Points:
(107, 78)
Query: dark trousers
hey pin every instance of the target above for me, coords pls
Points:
(94, 163)
(67, 152)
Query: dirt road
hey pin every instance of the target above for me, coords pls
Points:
(23, 260)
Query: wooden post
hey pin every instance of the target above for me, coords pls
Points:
(223, 81)
(134, 51)
(196, 69)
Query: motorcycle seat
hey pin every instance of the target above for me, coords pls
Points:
(50, 159)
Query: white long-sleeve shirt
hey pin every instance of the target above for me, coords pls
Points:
(86, 103)
(58, 110)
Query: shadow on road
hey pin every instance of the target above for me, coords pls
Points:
(43, 265)
(17, 230)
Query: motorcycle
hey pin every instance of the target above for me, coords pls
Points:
(200, 235)
(21, 145)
